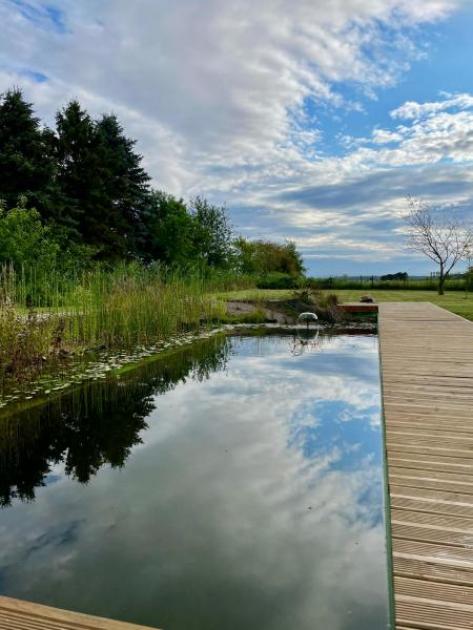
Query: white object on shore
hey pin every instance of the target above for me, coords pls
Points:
(307, 317)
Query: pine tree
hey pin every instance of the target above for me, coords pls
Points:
(76, 165)
(125, 186)
(104, 187)
(27, 166)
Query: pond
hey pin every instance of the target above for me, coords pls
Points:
(236, 484)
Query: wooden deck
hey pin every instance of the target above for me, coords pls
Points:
(20, 615)
(427, 376)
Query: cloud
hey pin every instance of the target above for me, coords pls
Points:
(226, 99)
(414, 111)
(384, 136)
(380, 186)
(41, 15)
(227, 80)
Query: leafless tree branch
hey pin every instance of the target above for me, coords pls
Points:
(442, 237)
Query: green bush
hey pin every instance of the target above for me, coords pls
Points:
(25, 241)
(277, 280)
(265, 257)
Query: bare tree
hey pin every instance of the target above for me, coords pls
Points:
(440, 236)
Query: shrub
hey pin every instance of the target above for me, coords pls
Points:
(277, 280)
(25, 241)
(264, 257)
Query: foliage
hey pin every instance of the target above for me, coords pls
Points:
(265, 257)
(469, 279)
(24, 342)
(198, 235)
(125, 185)
(87, 182)
(169, 230)
(26, 242)
(277, 280)
(103, 186)
(400, 275)
(26, 155)
(212, 233)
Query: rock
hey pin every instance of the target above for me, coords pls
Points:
(367, 299)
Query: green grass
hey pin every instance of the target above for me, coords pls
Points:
(455, 301)
(255, 295)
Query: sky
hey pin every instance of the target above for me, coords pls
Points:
(311, 120)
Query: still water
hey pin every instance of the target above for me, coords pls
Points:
(236, 485)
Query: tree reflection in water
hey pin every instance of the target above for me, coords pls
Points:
(97, 424)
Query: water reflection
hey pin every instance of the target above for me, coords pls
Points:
(96, 425)
(251, 495)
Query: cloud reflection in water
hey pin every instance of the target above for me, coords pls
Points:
(254, 500)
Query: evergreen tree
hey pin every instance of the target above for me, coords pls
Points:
(79, 183)
(104, 187)
(26, 163)
(125, 188)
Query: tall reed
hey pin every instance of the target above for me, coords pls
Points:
(47, 315)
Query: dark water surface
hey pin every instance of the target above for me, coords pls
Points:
(237, 485)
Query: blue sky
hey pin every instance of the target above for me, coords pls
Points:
(312, 120)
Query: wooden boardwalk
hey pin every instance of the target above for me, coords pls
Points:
(19, 615)
(427, 377)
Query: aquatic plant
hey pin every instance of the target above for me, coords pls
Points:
(54, 317)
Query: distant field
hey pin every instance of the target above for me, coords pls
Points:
(455, 301)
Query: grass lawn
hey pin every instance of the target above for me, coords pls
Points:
(455, 301)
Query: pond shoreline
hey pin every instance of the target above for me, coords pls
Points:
(114, 365)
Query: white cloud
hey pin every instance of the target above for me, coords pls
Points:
(216, 91)
(414, 111)
(384, 136)
(225, 81)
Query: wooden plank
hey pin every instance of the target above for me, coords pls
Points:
(427, 375)
(431, 615)
(431, 507)
(424, 589)
(20, 615)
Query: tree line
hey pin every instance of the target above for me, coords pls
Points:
(80, 192)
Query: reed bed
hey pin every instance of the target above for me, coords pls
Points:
(46, 317)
